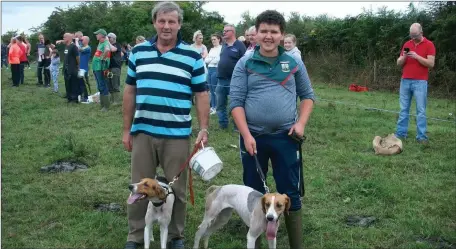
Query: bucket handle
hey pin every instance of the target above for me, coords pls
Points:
(202, 144)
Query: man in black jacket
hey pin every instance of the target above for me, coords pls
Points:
(71, 68)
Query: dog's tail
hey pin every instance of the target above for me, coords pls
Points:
(211, 193)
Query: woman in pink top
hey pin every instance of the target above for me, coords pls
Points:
(14, 56)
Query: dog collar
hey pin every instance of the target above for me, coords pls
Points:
(166, 187)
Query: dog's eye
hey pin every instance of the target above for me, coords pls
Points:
(153, 187)
(278, 205)
(146, 185)
(268, 204)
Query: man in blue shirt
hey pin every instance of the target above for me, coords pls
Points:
(162, 75)
(84, 56)
(232, 51)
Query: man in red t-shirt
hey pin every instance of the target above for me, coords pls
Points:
(23, 58)
(416, 58)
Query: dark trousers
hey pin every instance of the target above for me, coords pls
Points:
(15, 73)
(21, 72)
(286, 165)
(47, 72)
(39, 71)
(5, 62)
(72, 86)
(83, 87)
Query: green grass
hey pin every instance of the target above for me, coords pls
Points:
(412, 194)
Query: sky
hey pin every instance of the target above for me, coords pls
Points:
(33, 14)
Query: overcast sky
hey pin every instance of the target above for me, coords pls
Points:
(24, 15)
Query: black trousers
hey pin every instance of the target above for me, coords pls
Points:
(15, 73)
(39, 72)
(47, 72)
(72, 86)
(21, 72)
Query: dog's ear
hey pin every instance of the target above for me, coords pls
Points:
(263, 204)
(287, 203)
(161, 193)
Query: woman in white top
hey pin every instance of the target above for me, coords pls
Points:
(212, 60)
(289, 42)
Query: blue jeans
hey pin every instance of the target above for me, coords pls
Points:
(55, 78)
(284, 155)
(222, 91)
(418, 89)
(101, 82)
(212, 82)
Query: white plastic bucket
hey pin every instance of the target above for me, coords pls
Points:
(81, 73)
(206, 163)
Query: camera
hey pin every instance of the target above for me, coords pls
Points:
(407, 50)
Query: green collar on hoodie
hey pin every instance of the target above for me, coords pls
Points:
(279, 71)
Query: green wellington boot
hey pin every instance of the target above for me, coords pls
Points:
(293, 222)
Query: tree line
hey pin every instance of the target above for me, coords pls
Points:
(358, 49)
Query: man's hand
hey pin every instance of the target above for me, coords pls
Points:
(250, 145)
(413, 54)
(127, 141)
(298, 129)
(202, 136)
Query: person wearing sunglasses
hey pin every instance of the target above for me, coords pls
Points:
(232, 51)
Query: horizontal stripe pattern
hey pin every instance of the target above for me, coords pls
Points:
(164, 86)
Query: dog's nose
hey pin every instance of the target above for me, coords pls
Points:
(130, 187)
(270, 217)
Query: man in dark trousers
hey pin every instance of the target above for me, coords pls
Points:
(71, 68)
(264, 86)
(232, 51)
(41, 48)
(114, 68)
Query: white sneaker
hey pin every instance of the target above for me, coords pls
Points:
(213, 111)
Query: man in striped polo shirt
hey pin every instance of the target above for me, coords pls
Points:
(162, 75)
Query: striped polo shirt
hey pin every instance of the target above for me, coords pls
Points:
(164, 86)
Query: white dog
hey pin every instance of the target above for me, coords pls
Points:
(259, 212)
(161, 200)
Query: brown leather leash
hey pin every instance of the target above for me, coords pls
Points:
(190, 180)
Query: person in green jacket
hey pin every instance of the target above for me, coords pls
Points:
(100, 63)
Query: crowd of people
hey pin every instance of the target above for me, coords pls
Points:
(106, 64)
(166, 76)
(107, 71)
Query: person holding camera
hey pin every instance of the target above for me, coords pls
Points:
(417, 56)
(263, 93)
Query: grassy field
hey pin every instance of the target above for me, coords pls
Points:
(412, 195)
